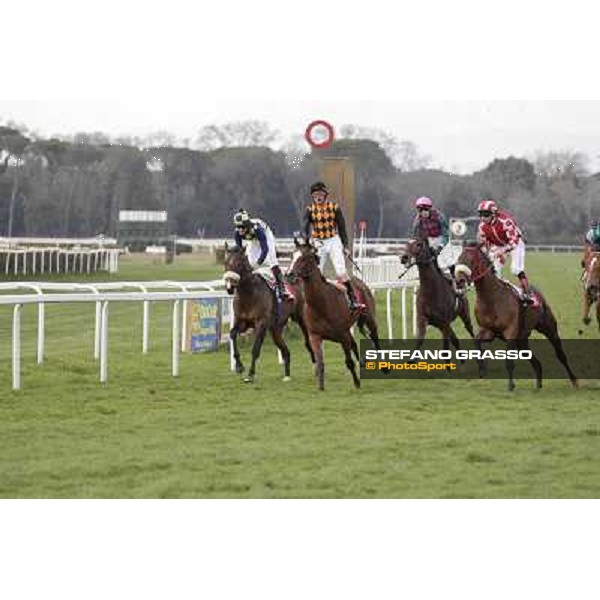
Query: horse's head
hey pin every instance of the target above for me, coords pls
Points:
(416, 252)
(237, 267)
(305, 262)
(472, 264)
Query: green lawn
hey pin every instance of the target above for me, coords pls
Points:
(205, 434)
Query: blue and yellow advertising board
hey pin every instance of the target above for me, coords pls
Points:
(204, 324)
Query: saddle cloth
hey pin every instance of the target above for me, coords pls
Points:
(519, 292)
(357, 293)
(267, 275)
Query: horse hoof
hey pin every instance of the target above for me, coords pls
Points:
(511, 387)
(286, 378)
(587, 320)
(239, 369)
(248, 379)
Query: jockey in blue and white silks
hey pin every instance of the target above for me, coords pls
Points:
(257, 238)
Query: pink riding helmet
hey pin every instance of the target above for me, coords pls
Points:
(423, 202)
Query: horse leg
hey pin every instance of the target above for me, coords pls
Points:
(465, 317)
(535, 363)
(316, 343)
(277, 335)
(450, 337)
(483, 335)
(373, 334)
(361, 325)
(355, 350)
(421, 329)
(259, 338)
(549, 328)
(233, 335)
(302, 326)
(510, 365)
(586, 307)
(347, 345)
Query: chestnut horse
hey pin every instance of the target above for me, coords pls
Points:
(501, 314)
(437, 302)
(591, 292)
(255, 306)
(327, 314)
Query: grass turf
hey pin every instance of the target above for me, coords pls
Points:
(205, 434)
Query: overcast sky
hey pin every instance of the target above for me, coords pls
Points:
(461, 136)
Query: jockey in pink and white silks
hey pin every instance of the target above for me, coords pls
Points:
(430, 223)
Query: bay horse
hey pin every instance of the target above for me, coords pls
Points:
(591, 282)
(327, 314)
(500, 313)
(255, 307)
(437, 302)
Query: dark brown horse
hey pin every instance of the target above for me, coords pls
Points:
(591, 283)
(327, 314)
(501, 314)
(255, 307)
(437, 302)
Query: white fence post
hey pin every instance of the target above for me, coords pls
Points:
(175, 349)
(104, 342)
(16, 348)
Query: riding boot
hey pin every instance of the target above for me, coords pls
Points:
(527, 298)
(280, 291)
(351, 296)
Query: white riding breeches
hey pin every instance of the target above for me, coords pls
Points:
(517, 259)
(253, 251)
(333, 248)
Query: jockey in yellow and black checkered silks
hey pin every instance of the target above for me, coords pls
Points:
(324, 217)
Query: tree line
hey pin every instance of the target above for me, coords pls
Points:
(75, 186)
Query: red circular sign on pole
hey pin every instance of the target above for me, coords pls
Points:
(362, 225)
(319, 134)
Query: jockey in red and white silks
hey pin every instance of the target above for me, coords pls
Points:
(499, 231)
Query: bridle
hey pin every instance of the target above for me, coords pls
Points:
(240, 269)
(308, 263)
(417, 258)
(479, 258)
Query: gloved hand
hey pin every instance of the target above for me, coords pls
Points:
(347, 253)
(501, 256)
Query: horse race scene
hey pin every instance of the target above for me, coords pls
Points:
(305, 308)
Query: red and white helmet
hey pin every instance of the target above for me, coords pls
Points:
(487, 206)
(423, 202)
